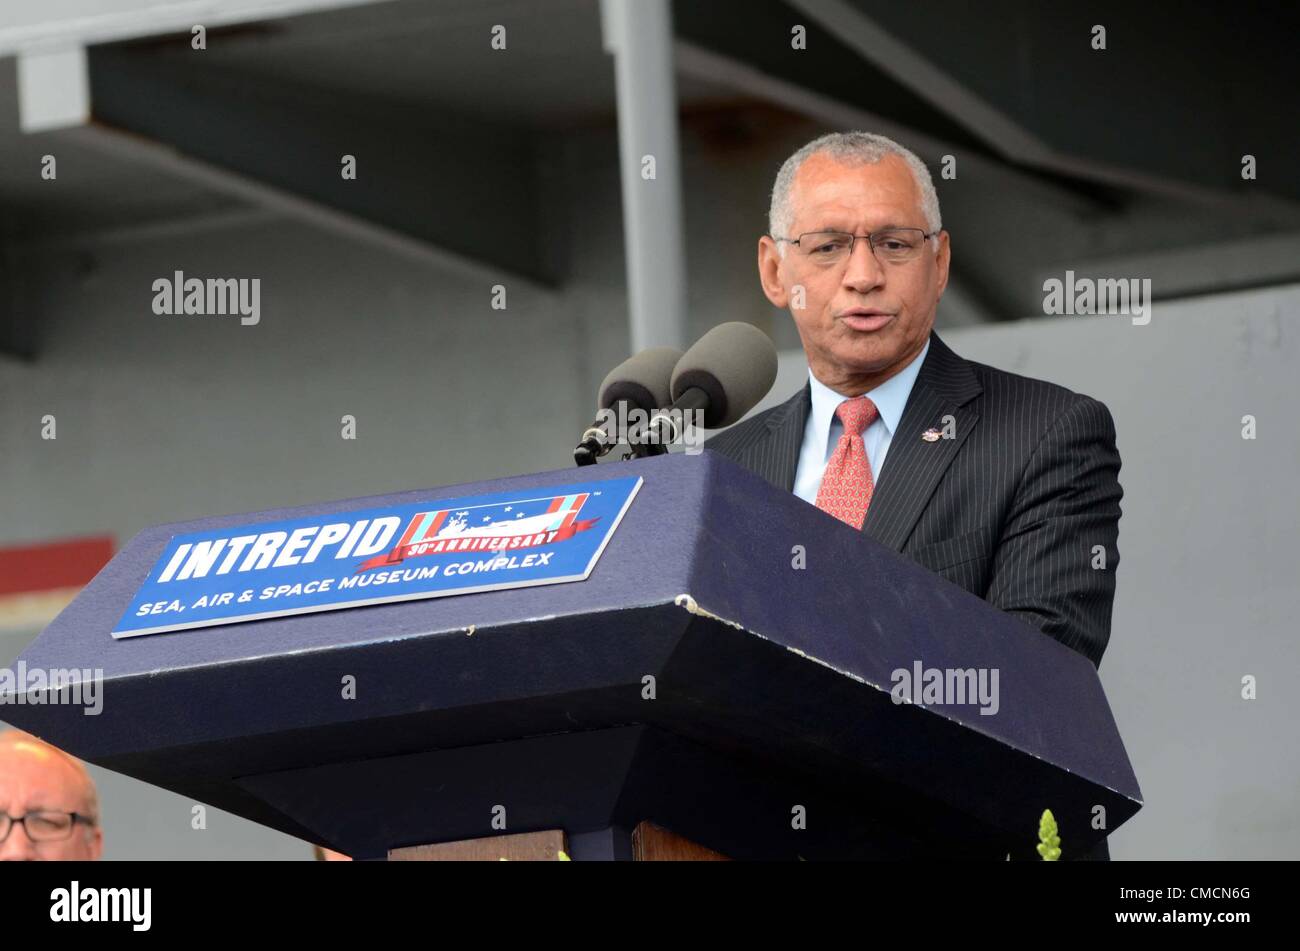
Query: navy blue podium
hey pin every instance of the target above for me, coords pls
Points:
(725, 672)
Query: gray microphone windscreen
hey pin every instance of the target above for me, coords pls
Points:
(735, 364)
(642, 380)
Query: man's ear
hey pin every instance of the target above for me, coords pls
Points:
(942, 258)
(769, 272)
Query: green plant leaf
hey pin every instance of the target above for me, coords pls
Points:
(1049, 843)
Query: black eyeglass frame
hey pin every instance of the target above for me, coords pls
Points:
(870, 237)
(76, 818)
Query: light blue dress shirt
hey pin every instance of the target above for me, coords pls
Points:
(823, 430)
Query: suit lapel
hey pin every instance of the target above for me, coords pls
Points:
(913, 467)
(775, 454)
(944, 386)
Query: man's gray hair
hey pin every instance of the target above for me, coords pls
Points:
(848, 147)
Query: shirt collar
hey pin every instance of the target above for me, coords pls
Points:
(890, 397)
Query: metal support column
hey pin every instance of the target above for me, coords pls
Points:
(639, 34)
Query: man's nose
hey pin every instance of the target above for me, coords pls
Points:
(863, 272)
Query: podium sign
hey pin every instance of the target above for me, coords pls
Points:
(378, 556)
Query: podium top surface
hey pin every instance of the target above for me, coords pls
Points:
(80, 636)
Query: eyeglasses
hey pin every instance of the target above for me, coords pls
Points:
(893, 246)
(43, 826)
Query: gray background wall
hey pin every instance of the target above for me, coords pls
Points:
(1208, 587)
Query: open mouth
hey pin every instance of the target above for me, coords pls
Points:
(865, 320)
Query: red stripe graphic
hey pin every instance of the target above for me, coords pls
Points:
(51, 565)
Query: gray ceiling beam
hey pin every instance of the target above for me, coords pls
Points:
(449, 186)
(1169, 107)
(39, 24)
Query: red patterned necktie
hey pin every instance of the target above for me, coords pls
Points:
(846, 484)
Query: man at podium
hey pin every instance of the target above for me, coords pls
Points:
(1004, 485)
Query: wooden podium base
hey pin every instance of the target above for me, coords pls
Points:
(650, 843)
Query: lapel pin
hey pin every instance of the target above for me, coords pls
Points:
(932, 435)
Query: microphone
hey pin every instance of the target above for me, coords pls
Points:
(724, 375)
(642, 382)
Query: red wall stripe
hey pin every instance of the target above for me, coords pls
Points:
(49, 565)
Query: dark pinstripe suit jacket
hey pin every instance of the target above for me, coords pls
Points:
(1014, 508)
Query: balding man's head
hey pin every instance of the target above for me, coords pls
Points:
(44, 783)
(870, 259)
